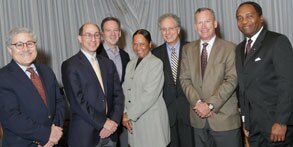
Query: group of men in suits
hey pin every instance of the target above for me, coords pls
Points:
(199, 90)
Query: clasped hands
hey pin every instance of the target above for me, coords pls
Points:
(109, 128)
(202, 109)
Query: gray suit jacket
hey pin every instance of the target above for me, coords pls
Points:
(217, 86)
(144, 103)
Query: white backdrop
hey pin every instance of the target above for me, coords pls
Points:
(56, 22)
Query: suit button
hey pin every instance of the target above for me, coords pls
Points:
(129, 89)
(129, 101)
(49, 116)
(103, 100)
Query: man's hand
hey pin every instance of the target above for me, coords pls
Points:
(278, 132)
(56, 134)
(127, 123)
(109, 128)
(246, 132)
(202, 109)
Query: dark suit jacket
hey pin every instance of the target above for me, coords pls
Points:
(124, 57)
(265, 81)
(87, 101)
(174, 97)
(25, 119)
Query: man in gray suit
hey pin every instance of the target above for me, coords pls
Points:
(208, 78)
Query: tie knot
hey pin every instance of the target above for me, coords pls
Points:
(31, 70)
(249, 41)
(173, 49)
(205, 45)
(93, 59)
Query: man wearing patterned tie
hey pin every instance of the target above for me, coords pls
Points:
(208, 79)
(92, 85)
(265, 76)
(31, 106)
(178, 107)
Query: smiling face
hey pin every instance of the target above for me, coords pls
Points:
(170, 30)
(90, 38)
(26, 55)
(141, 46)
(111, 33)
(205, 24)
(249, 22)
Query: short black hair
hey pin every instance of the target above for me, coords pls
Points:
(110, 19)
(145, 33)
(256, 6)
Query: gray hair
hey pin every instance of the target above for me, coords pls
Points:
(204, 9)
(175, 17)
(15, 31)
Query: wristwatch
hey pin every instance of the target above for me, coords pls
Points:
(211, 106)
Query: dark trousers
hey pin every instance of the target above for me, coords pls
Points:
(181, 135)
(206, 137)
(106, 142)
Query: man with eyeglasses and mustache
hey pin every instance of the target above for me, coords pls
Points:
(31, 106)
(92, 85)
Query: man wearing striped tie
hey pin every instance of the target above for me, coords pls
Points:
(177, 104)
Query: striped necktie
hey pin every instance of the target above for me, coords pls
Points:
(174, 64)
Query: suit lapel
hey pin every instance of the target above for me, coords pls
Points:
(88, 67)
(103, 70)
(214, 52)
(23, 79)
(256, 46)
(196, 60)
(44, 83)
(167, 61)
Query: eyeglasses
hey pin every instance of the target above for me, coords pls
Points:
(20, 45)
(168, 29)
(90, 36)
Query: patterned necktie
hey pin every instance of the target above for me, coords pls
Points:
(204, 58)
(38, 84)
(174, 64)
(248, 47)
(97, 70)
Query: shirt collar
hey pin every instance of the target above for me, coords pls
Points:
(253, 38)
(210, 42)
(176, 46)
(87, 55)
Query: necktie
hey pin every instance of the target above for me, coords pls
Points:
(248, 47)
(204, 58)
(174, 64)
(97, 70)
(38, 84)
